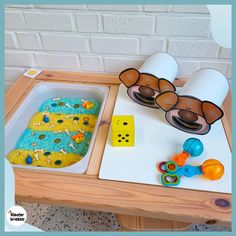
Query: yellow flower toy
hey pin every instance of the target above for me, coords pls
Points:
(87, 105)
(79, 138)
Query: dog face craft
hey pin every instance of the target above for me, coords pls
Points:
(188, 113)
(144, 87)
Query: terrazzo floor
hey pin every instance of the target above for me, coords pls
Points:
(53, 218)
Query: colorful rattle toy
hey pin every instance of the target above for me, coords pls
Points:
(211, 169)
(191, 147)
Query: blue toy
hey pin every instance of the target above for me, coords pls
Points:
(46, 119)
(29, 160)
(193, 146)
(211, 169)
(172, 172)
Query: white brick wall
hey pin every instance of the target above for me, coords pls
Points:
(91, 63)
(29, 40)
(152, 45)
(117, 64)
(114, 7)
(49, 21)
(14, 20)
(57, 61)
(19, 58)
(190, 8)
(157, 8)
(129, 24)
(10, 40)
(108, 38)
(183, 26)
(64, 43)
(193, 48)
(115, 45)
(87, 22)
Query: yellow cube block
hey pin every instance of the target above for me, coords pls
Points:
(123, 131)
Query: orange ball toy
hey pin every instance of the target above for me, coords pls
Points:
(212, 169)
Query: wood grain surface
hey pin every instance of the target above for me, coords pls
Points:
(101, 139)
(119, 197)
(16, 94)
(67, 76)
(88, 192)
(137, 223)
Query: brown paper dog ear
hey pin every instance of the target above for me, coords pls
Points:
(129, 77)
(167, 100)
(211, 112)
(165, 85)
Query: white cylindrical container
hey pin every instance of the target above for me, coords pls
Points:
(162, 65)
(207, 85)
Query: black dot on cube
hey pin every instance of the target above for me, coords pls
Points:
(119, 135)
(126, 140)
(127, 135)
(123, 138)
(125, 123)
(119, 140)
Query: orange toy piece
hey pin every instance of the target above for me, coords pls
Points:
(191, 147)
(87, 105)
(79, 138)
(212, 169)
(180, 158)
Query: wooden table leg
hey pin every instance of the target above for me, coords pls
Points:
(137, 223)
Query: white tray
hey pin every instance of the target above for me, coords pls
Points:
(157, 141)
(39, 94)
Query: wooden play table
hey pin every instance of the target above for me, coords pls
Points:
(138, 206)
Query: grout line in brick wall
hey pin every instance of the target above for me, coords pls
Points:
(16, 40)
(218, 53)
(103, 34)
(81, 70)
(139, 45)
(140, 7)
(100, 24)
(113, 12)
(103, 27)
(155, 26)
(202, 59)
(89, 45)
(166, 45)
(127, 56)
(102, 63)
(218, 56)
(41, 41)
(74, 23)
(35, 60)
(170, 9)
(40, 37)
(79, 62)
(24, 20)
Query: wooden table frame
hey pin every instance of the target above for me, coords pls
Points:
(86, 191)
